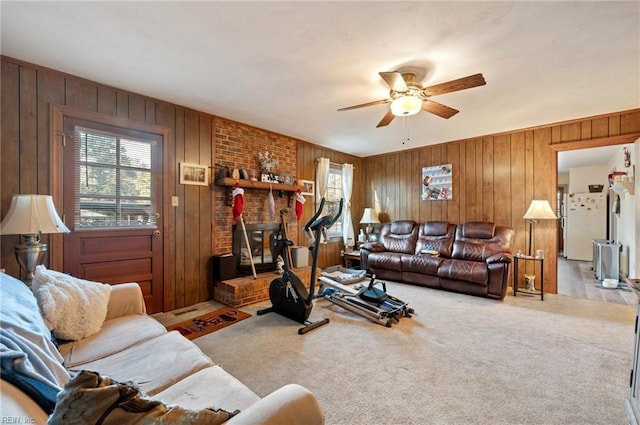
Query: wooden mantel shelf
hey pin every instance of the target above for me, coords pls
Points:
(230, 183)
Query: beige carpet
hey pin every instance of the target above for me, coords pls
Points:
(459, 360)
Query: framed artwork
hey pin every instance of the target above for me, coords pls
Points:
(437, 183)
(307, 187)
(268, 178)
(195, 174)
(285, 178)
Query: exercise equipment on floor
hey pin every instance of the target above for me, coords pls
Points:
(289, 297)
(369, 301)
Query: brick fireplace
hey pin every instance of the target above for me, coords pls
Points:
(247, 290)
(263, 239)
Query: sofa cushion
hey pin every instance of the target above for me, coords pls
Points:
(25, 340)
(91, 399)
(477, 241)
(471, 241)
(154, 364)
(399, 236)
(385, 260)
(436, 236)
(209, 387)
(425, 264)
(476, 230)
(73, 308)
(466, 271)
(116, 335)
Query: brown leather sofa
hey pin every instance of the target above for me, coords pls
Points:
(472, 258)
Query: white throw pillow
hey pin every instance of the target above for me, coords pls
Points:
(73, 308)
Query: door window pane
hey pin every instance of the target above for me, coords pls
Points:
(114, 183)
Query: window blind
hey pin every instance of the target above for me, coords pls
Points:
(114, 184)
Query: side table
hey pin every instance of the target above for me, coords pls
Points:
(351, 260)
(516, 259)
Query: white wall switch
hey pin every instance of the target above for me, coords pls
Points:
(175, 201)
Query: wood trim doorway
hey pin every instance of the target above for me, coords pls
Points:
(58, 113)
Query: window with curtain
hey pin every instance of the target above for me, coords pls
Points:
(333, 196)
(114, 187)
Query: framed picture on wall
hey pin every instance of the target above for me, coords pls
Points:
(307, 187)
(195, 174)
(437, 183)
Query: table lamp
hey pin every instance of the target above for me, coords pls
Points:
(31, 216)
(369, 217)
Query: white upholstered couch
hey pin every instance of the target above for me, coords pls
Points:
(131, 346)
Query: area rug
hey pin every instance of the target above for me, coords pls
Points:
(209, 322)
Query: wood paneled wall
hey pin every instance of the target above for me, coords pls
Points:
(28, 90)
(495, 177)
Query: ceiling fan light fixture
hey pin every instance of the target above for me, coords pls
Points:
(405, 106)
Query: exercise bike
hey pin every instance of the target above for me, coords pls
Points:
(289, 297)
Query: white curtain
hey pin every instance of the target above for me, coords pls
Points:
(347, 188)
(322, 177)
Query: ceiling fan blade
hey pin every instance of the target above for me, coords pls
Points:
(386, 119)
(362, 105)
(395, 81)
(455, 85)
(438, 109)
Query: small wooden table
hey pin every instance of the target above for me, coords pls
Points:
(351, 260)
(517, 258)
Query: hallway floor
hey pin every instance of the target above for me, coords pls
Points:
(576, 279)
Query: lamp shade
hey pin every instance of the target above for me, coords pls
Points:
(406, 106)
(30, 215)
(369, 216)
(539, 210)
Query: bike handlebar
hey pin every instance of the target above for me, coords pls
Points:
(315, 216)
(322, 223)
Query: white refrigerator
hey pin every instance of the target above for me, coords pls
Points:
(585, 220)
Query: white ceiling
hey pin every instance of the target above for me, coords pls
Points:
(588, 157)
(288, 66)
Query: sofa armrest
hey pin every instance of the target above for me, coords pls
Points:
(290, 404)
(125, 299)
(373, 247)
(18, 407)
(501, 257)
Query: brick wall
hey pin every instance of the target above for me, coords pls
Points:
(237, 146)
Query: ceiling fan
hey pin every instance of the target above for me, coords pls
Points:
(407, 96)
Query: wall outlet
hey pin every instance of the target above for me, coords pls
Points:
(175, 201)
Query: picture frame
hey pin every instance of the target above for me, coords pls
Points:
(437, 183)
(269, 178)
(286, 178)
(194, 174)
(307, 187)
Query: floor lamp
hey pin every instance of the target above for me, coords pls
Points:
(31, 216)
(538, 210)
